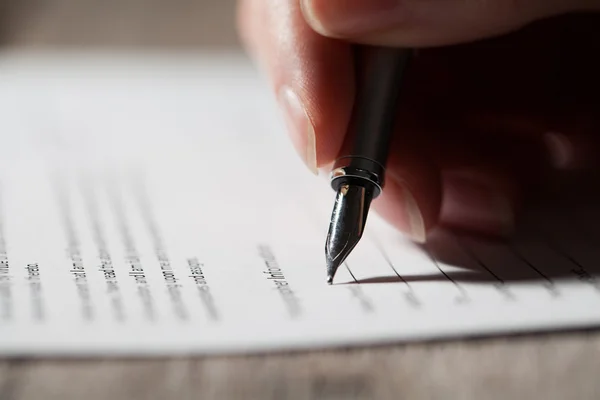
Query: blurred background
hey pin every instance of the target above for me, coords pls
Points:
(139, 24)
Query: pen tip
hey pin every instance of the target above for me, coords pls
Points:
(347, 225)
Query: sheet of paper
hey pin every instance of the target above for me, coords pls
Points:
(153, 205)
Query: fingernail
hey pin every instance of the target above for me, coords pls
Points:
(570, 152)
(414, 217)
(299, 127)
(560, 150)
(350, 17)
(414, 224)
(473, 201)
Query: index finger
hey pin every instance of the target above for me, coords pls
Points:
(312, 75)
(314, 78)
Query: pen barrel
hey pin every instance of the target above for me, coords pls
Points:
(380, 71)
(364, 156)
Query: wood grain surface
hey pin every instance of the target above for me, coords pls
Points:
(564, 366)
(119, 23)
(557, 366)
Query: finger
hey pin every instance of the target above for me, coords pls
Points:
(573, 152)
(429, 22)
(320, 74)
(484, 191)
(489, 177)
(412, 196)
(480, 185)
(311, 75)
(479, 201)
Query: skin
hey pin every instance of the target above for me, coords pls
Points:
(500, 106)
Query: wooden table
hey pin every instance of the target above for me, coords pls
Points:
(558, 366)
(542, 367)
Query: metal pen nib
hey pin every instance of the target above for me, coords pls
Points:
(348, 220)
(358, 175)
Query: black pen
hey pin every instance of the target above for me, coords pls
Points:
(358, 174)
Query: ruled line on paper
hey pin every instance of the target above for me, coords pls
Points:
(556, 248)
(500, 284)
(464, 295)
(351, 274)
(471, 254)
(552, 244)
(550, 285)
(581, 272)
(389, 262)
(356, 291)
(580, 228)
(409, 294)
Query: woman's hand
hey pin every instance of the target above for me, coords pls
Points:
(499, 101)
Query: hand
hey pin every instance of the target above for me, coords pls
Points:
(499, 102)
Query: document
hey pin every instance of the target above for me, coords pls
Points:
(153, 205)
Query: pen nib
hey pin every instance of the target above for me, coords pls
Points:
(329, 279)
(348, 220)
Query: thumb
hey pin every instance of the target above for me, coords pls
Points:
(422, 23)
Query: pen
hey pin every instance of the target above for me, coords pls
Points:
(358, 174)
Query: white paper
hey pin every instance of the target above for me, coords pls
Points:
(153, 205)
